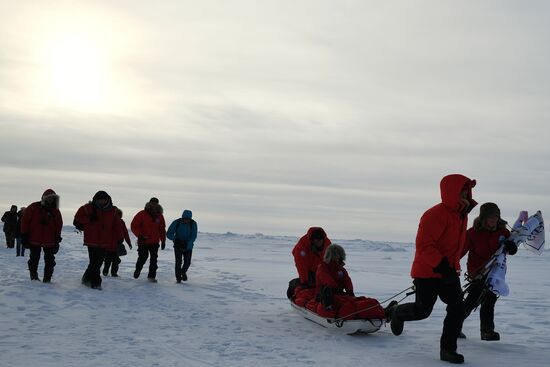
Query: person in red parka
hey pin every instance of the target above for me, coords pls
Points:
(149, 227)
(436, 266)
(308, 254)
(112, 258)
(333, 285)
(485, 237)
(334, 290)
(41, 229)
(102, 228)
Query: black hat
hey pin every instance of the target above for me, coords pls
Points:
(154, 200)
(489, 210)
(101, 195)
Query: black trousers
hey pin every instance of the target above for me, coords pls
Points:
(186, 256)
(49, 260)
(427, 291)
(478, 293)
(112, 260)
(143, 253)
(10, 239)
(92, 275)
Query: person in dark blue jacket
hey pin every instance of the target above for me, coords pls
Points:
(183, 232)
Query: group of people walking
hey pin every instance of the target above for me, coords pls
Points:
(38, 228)
(441, 241)
(323, 282)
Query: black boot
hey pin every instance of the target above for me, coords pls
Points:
(136, 274)
(396, 323)
(451, 356)
(184, 277)
(387, 310)
(490, 335)
(47, 279)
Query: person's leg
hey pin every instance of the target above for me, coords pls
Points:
(451, 294)
(98, 255)
(10, 239)
(153, 252)
(187, 260)
(34, 259)
(49, 264)
(178, 254)
(143, 254)
(487, 317)
(18, 247)
(421, 308)
(116, 262)
(108, 262)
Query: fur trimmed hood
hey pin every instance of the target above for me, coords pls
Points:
(334, 252)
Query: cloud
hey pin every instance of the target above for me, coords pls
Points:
(276, 116)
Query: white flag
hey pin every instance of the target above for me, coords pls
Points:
(530, 233)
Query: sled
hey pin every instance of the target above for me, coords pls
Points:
(356, 326)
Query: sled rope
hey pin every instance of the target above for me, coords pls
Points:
(339, 321)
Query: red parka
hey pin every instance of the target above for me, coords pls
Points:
(105, 231)
(305, 258)
(442, 229)
(480, 245)
(42, 225)
(148, 228)
(333, 275)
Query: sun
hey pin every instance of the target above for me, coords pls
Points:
(78, 73)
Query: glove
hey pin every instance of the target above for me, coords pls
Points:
(162, 245)
(445, 269)
(56, 249)
(78, 225)
(510, 247)
(523, 216)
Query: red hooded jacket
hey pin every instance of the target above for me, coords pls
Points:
(442, 229)
(148, 229)
(105, 231)
(481, 244)
(333, 276)
(42, 224)
(305, 258)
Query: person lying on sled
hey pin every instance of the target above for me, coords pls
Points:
(482, 241)
(308, 254)
(334, 290)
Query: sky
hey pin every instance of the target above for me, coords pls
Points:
(274, 116)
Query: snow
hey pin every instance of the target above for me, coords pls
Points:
(233, 311)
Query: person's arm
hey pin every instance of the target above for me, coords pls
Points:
(171, 233)
(194, 231)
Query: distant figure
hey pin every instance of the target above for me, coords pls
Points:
(10, 226)
(439, 245)
(112, 254)
(102, 229)
(482, 241)
(149, 227)
(19, 246)
(41, 229)
(183, 232)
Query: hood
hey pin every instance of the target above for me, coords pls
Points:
(187, 214)
(47, 194)
(315, 230)
(334, 252)
(102, 195)
(451, 186)
(153, 208)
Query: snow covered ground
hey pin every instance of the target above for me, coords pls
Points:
(233, 311)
